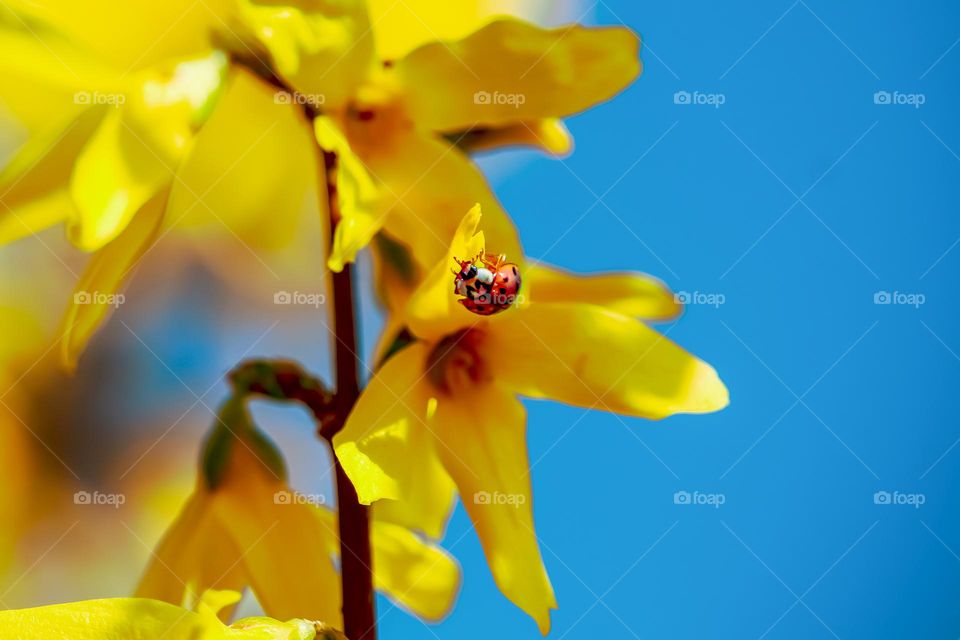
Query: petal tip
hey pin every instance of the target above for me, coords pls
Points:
(369, 481)
(708, 393)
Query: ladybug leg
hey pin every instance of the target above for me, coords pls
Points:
(493, 263)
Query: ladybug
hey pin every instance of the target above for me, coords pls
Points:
(488, 284)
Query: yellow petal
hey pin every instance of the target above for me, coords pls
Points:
(111, 619)
(195, 554)
(135, 35)
(33, 185)
(115, 174)
(137, 147)
(428, 185)
(632, 294)
(592, 357)
(427, 491)
(372, 446)
(46, 76)
(360, 202)
(98, 291)
(34, 217)
(169, 102)
(402, 26)
(213, 601)
(143, 619)
(252, 168)
(486, 453)
(511, 70)
(263, 628)
(353, 233)
(322, 48)
(547, 134)
(423, 578)
(418, 575)
(281, 543)
(433, 310)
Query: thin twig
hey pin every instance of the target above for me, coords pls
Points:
(356, 559)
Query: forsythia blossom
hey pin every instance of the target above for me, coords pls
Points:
(245, 527)
(444, 413)
(395, 124)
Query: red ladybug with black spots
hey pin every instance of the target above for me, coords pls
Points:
(488, 284)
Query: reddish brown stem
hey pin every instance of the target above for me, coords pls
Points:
(356, 560)
(355, 556)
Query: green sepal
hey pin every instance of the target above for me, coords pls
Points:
(233, 423)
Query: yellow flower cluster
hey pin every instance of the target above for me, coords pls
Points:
(153, 147)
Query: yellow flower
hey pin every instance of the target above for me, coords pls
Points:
(130, 618)
(128, 35)
(446, 407)
(119, 155)
(106, 165)
(244, 526)
(396, 123)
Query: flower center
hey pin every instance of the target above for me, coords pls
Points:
(375, 113)
(456, 363)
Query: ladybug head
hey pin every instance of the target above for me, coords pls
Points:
(468, 270)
